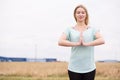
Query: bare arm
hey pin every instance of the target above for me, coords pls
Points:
(64, 42)
(98, 41)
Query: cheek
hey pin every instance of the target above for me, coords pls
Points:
(84, 15)
(78, 15)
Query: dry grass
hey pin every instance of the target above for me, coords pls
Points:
(108, 71)
(33, 68)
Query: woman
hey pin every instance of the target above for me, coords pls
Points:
(82, 38)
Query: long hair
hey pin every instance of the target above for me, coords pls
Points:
(87, 16)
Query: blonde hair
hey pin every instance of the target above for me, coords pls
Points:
(87, 16)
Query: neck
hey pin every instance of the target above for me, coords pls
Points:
(81, 24)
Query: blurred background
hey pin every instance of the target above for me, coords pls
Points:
(31, 28)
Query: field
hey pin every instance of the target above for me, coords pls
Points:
(52, 71)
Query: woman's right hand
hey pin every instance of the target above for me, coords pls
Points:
(80, 41)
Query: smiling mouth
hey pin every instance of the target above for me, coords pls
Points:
(80, 17)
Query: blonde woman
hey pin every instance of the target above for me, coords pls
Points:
(82, 39)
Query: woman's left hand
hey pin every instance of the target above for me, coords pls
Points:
(85, 43)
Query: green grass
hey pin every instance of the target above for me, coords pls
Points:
(106, 78)
(31, 78)
(52, 77)
(16, 78)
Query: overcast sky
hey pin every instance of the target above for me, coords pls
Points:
(30, 28)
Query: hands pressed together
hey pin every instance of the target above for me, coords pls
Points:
(98, 41)
(81, 41)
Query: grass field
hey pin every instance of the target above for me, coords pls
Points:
(52, 71)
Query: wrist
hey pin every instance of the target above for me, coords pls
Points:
(76, 44)
(87, 44)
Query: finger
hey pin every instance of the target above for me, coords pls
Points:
(81, 34)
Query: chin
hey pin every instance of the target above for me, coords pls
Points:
(81, 20)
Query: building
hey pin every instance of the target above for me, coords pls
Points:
(15, 59)
(12, 59)
(42, 60)
(3, 59)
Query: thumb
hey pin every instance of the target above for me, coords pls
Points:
(81, 41)
(81, 34)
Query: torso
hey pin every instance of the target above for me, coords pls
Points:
(82, 58)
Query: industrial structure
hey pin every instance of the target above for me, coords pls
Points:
(14, 59)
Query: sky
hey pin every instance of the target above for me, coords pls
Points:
(32, 28)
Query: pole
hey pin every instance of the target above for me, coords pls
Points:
(35, 52)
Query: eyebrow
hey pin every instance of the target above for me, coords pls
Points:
(82, 10)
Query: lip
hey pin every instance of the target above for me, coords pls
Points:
(80, 17)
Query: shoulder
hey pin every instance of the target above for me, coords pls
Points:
(93, 28)
(69, 28)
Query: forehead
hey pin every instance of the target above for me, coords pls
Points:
(80, 9)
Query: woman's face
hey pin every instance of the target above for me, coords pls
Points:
(80, 14)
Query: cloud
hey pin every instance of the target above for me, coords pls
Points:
(41, 23)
